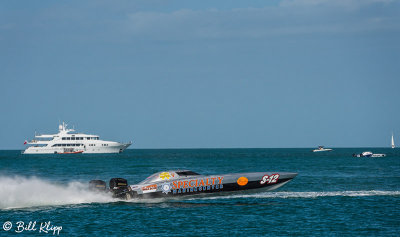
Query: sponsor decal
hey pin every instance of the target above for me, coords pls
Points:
(166, 188)
(269, 179)
(165, 175)
(242, 181)
(197, 185)
(150, 188)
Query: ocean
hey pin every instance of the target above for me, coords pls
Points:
(334, 194)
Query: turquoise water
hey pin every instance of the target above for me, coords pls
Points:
(334, 194)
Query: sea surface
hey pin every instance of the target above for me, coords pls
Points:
(334, 194)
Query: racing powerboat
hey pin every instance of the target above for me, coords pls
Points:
(368, 154)
(177, 183)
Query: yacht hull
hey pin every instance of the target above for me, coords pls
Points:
(87, 150)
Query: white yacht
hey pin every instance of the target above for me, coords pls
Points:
(66, 141)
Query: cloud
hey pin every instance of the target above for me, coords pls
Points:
(113, 23)
(349, 4)
(291, 17)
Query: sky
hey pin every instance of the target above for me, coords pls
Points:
(202, 74)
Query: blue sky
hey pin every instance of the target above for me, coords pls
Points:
(198, 74)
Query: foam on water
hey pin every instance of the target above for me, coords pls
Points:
(310, 194)
(23, 192)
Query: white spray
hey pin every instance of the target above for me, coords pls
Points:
(22, 192)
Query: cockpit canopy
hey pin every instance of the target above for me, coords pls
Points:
(168, 175)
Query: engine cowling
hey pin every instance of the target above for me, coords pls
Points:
(120, 188)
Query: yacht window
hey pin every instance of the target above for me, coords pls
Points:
(72, 138)
(68, 138)
(63, 138)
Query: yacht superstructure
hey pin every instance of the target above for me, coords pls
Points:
(66, 141)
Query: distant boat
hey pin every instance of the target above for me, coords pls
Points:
(66, 141)
(393, 146)
(321, 148)
(368, 154)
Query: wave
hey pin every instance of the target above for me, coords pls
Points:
(22, 192)
(362, 193)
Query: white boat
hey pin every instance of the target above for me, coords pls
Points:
(392, 143)
(321, 148)
(68, 142)
(369, 154)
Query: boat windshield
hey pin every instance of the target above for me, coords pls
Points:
(186, 173)
(166, 176)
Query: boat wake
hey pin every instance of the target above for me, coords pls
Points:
(309, 194)
(24, 192)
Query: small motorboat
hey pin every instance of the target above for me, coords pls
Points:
(368, 154)
(177, 183)
(321, 148)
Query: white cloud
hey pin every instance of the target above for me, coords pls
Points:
(351, 4)
(291, 17)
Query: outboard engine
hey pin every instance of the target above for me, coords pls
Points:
(120, 188)
(97, 185)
